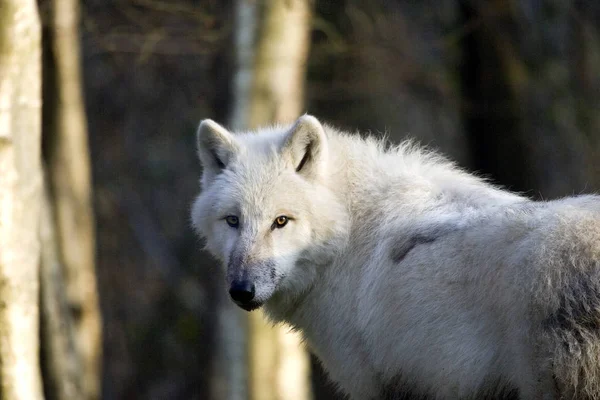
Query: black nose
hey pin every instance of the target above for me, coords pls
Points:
(241, 291)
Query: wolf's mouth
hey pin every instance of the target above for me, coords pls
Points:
(249, 306)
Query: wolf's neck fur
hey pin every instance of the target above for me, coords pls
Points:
(374, 181)
(366, 172)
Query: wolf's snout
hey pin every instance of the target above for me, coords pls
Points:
(242, 291)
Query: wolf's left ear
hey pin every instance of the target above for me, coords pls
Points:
(306, 145)
(216, 147)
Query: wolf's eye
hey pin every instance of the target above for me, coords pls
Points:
(232, 221)
(280, 221)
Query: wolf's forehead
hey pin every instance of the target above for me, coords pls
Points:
(263, 140)
(256, 174)
(258, 187)
(258, 168)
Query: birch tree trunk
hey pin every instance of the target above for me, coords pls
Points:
(229, 380)
(20, 199)
(271, 44)
(61, 363)
(68, 161)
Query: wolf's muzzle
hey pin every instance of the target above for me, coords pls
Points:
(242, 291)
(243, 294)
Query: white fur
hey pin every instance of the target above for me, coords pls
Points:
(402, 271)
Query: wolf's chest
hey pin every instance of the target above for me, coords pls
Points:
(329, 325)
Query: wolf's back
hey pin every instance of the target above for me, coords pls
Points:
(568, 296)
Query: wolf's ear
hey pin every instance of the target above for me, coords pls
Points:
(306, 145)
(216, 146)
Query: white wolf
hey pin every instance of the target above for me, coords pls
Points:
(408, 277)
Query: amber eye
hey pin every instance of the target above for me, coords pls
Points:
(232, 221)
(281, 221)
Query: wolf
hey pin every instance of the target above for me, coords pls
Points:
(407, 276)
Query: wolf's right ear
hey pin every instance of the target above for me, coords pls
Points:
(216, 147)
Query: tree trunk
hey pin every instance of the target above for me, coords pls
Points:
(61, 364)
(67, 154)
(272, 45)
(271, 41)
(20, 199)
(229, 379)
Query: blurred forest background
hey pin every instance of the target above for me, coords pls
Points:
(130, 307)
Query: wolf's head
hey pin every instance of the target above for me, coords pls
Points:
(266, 210)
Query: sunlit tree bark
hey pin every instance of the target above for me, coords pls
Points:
(68, 161)
(272, 50)
(229, 380)
(271, 44)
(61, 363)
(20, 199)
